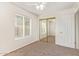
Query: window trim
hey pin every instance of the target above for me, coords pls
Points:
(23, 37)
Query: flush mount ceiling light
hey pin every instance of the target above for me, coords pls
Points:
(37, 7)
(40, 6)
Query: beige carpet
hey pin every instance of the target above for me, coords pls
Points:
(42, 48)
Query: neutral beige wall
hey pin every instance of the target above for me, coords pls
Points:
(8, 41)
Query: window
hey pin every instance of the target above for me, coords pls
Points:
(22, 26)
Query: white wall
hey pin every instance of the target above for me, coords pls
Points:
(7, 28)
(51, 27)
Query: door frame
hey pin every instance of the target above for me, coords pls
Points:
(75, 29)
(46, 29)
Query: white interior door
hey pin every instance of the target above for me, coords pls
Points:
(65, 31)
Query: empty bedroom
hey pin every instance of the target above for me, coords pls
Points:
(39, 29)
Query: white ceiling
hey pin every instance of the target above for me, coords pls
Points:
(50, 6)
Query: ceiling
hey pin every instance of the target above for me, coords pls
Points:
(49, 7)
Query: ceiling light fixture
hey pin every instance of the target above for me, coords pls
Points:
(41, 6)
(37, 7)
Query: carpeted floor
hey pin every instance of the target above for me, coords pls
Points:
(42, 48)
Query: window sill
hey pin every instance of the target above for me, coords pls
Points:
(21, 38)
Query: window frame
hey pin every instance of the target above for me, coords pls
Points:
(24, 36)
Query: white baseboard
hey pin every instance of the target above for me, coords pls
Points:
(2, 54)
